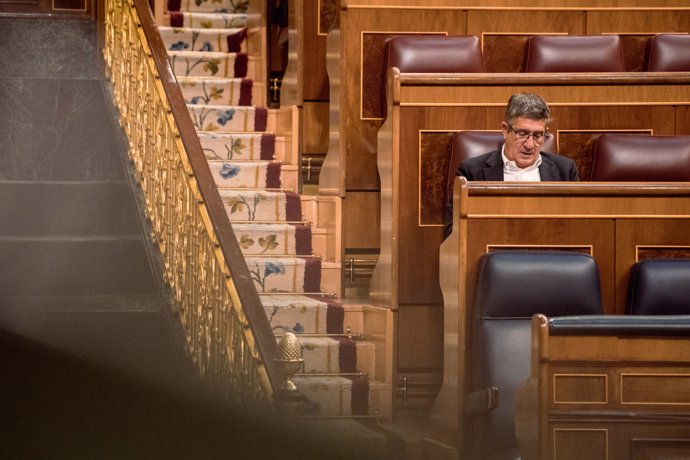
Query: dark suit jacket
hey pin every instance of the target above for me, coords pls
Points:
(489, 166)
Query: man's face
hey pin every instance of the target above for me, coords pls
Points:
(522, 149)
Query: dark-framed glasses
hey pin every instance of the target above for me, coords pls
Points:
(522, 135)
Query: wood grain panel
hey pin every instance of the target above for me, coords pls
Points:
(528, 21)
(655, 389)
(576, 444)
(420, 338)
(646, 21)
(362, 215)
(315, 121)
(580, 388)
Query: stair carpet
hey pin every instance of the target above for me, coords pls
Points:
(206, 42)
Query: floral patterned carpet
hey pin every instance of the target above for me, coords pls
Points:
(221, 83)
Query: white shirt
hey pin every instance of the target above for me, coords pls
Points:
(511, 171)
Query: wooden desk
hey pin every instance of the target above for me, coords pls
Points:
(607, 388)
(617, 223)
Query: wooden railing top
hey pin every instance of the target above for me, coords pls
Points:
(541, 79)
(590, 5)
(477, 188)
(244, 286)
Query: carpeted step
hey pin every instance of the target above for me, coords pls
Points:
(335, 395)
(211, 64)
(236, 134)
(215, 91)
(285, 274)
(214, 20)
(199, 39)
(261, 206)
(226, 118)
(226, 6)
(302, 314)
(274, 239)
(238, 146)
(249, 174)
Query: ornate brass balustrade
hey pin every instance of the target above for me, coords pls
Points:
(228, 334)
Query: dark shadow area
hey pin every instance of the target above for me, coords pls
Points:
(55, 405)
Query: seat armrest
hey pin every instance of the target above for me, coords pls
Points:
(481, 401)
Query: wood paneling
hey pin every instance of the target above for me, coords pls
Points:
(364, 25)
(420, 343)
(315, 134)
(602, 392)
(362, 207)
(430, 108)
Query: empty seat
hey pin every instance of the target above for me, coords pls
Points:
(511, 287)
(432, 54)
(639, 157)
(659, 287)
(668, 53)
(574, 53)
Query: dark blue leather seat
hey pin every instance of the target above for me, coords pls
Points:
(660, 287)
(511, 287)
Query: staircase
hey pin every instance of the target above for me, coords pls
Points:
(288, 240)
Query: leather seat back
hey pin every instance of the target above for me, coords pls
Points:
(574, 53)
(660, 287)
(639, 157)
(432, 54)
(668, 53)
(511, 287)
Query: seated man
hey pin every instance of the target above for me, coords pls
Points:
(520, 158)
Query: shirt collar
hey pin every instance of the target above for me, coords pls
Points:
(510, 166)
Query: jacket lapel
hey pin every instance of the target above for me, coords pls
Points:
(548, 170)
(494, 167)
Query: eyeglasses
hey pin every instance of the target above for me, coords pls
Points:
(523, 134)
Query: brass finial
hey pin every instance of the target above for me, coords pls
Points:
(289, 360)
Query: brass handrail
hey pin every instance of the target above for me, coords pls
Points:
(228, 333)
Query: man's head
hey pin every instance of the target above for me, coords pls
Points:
(525, 128)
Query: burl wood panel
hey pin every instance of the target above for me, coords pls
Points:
(434, 159)
(315, 86)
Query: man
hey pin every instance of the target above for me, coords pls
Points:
(520, 158)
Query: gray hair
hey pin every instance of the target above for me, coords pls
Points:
(527, 105)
